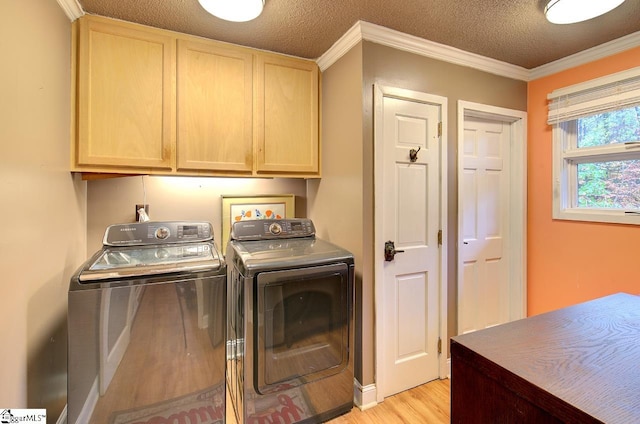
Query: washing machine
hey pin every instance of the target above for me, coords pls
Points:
(146, 327)
(290, 323)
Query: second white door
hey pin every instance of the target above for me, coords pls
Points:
(483, 292)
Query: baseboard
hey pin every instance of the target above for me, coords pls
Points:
(62, 419)
(89, 404)
(449, 368)
(364, 397)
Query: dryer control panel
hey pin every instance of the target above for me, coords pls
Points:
(266, 229)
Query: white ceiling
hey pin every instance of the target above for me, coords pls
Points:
(510, 31)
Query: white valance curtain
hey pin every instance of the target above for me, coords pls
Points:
(600, 95)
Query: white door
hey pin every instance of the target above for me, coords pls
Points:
(484, 286)
(411, 219)
(491, 199)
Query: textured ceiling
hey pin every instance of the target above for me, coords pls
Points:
(512, 31)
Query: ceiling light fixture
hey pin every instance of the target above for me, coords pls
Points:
(234, 10)
(571, 11)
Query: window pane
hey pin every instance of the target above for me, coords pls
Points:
(612, 184)
(618, 126)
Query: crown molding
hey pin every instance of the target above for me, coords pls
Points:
(380, 35)
(366, 31)
(345, 43)
(412, 44)
(595, 53)
(71, 8)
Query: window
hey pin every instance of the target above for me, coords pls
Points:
(596, 149)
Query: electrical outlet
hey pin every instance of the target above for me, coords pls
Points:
(146, 209)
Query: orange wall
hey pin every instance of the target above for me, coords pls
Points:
(571, 262)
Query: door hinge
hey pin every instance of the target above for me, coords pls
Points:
(439, 237)
(439, 129)
(439, 346)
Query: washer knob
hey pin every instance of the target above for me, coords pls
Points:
(162, 233)
(275, 229)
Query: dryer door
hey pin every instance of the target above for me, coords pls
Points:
(302, 319)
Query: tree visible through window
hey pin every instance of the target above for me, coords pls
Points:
(609, 184)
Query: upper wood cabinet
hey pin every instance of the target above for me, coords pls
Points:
(151, 101)
(126, 96)
(286, 116)
(215, 96)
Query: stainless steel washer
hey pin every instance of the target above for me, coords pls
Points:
(290, 325)
(146, 326)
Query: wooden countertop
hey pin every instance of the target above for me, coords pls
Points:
(581, 361)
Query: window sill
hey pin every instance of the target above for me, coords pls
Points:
(597, 215)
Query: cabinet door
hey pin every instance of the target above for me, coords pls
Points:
(215, 95)
(126, 96)
(286, 117)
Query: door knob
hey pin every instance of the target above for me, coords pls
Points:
(390, 251)
(413, 154)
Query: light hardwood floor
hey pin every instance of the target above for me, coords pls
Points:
(426, 404)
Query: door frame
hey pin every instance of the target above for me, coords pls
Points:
(518, 197)
(380, 92)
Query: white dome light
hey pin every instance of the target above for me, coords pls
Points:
(571, 11)
(233, 10)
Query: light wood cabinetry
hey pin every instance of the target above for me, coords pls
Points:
(215, 96)
(126, 97)
(286, 118)
(151, 101)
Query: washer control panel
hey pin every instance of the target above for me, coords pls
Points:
(265, 229)
(160, 232)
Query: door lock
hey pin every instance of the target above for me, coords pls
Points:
(390, 251)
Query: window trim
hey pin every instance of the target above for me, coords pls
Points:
(566, 157)
(566, 105)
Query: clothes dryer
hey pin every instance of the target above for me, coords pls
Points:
(290, 325)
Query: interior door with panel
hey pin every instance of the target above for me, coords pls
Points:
(491, 198)
(484, 289)
(411, 188)
(215, 112)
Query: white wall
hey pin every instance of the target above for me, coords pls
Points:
(42, 206)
